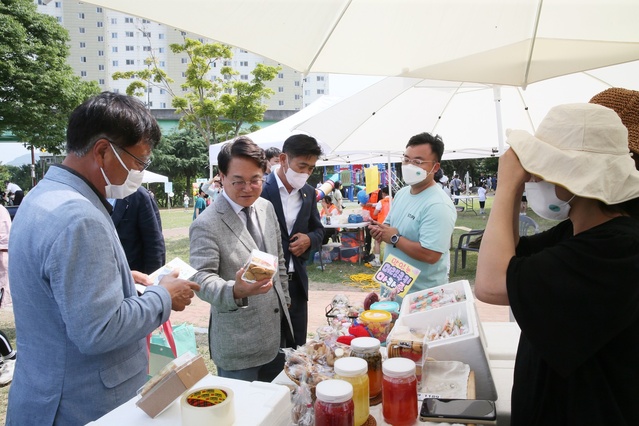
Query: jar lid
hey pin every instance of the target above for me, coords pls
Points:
(365, 343)
(350, 367)
(334, 390)
(386, 305)
(398, 367)
(376, 316)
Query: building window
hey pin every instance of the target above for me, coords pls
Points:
(320, 78)
(115, 63)
(58, 4)
(128, 34)
(184, 89)
(149, 90)
(183, 74)
(114, 21)
(114, 35)
(129, 49)
(297, 83)
(182, 33)
(161, 36)
(97, 9)
(281, 103)
(100, 67)
(81, 15)
(83, 73)
(146, 21)
(162, 91)
(184, 60)
(100, 24)
(146, 48)
(100, 52)
(227, 63)
(280, 75)
(160, 49)
(244, 77)
(101, 38)
(146, 34)
(116, 90)
(101, 81)
(59, 19)
(114, 49)
(82, 30)
(297, 97)
(280, 89)
(83, 58)
(83, 45)
(130, 62)
(128, 20)
(307, 93)
(320, 91)
(229, 91)
(162, 64)
(163, 105)
(244, 63)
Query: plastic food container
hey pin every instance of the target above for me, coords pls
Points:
(377, 322)
(334, 405)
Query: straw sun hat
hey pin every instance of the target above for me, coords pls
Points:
(625, 103)
(582, 147)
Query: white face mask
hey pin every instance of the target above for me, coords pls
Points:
(413, 174)
(295, 179)
(130, 185)
(543, 201)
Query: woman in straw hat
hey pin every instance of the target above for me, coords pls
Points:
(572, 289)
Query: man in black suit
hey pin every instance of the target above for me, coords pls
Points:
(137, 220)
(299, 220)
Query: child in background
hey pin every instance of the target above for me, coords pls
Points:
(381, 211)
(481, 192)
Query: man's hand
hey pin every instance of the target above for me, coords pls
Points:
(299, 244)
(242, 289)
(382, 232)
(141, 278)
(181, 291)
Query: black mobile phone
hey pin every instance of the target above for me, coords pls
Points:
(478, 411)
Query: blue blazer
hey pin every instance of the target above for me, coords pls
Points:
(308, 222)
(137, 220)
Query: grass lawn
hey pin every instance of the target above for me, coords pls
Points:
(336, 272)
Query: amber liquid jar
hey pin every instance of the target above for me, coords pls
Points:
(367, 348)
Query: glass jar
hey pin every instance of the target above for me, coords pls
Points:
(367, 348)
(334, 404)
(354, 371)
(399, 394)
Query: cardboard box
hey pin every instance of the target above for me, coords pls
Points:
(468, 348)
(188, 371)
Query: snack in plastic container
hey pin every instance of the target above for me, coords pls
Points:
(260, 266)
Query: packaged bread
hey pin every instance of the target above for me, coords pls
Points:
(260, 266)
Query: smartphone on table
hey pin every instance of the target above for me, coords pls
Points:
(477, 411)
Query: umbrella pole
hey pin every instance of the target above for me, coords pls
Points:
(500, 125)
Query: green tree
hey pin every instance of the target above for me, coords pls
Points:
(217, 107)
(37, 87)
(180, 155)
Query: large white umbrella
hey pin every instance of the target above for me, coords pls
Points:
(470, 117)
(514, 42)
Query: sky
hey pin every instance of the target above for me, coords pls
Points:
(339, 85)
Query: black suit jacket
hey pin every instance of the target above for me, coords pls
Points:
(137, 220)
(308, 222)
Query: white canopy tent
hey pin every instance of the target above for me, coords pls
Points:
(150, 177)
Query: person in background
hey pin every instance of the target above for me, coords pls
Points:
(328, 209)
(199, 204)
(8, 357)
(213, 188)
(576, 169)
(442, 180)
(81, 328)
(369, 206)
(249, 319)
(418, 228)
(272, 159)
(338, 199)
(481, 195)
(14, 192)
(5, 229)
(625, 103)
(137, 220)
(299, 220)
(455, 187)
(186, 201)
(381, 211)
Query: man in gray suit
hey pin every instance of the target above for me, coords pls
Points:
(249, 321)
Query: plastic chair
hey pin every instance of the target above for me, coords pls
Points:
(463, 246)
(527, 226)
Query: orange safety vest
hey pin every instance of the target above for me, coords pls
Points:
(381, 215)
(373, 198)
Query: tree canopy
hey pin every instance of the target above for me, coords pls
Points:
(38, 89)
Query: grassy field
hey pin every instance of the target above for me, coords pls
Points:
(335, 273)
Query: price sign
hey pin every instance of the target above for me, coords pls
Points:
(396, 276)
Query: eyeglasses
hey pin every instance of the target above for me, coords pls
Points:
(416, 162)
(144, 164)
(254, 183)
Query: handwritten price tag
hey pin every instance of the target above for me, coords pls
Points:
(396, 276)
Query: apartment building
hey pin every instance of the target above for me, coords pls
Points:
(104, 42)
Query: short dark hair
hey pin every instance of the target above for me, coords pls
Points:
(338, 185)
(436, 143)
(242, 147)
(301, 146)
(328, 199)
(384, 190)
(124, 120)
(272, 152)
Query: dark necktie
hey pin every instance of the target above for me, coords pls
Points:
(253, 228)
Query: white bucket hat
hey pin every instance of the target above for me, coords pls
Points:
(582, 147)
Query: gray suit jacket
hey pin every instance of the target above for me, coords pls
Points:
(246, 336)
